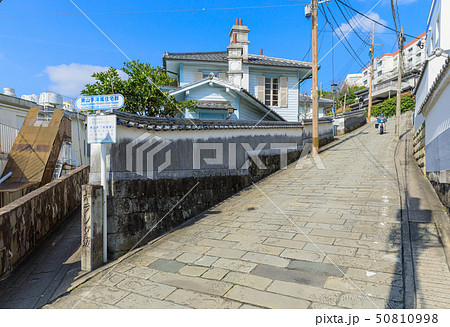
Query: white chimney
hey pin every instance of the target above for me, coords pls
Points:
(237, 52)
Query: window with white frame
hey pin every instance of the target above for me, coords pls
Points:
(271, 91)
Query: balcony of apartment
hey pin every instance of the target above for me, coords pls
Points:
(387, 89)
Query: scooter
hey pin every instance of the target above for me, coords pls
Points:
(381, 125)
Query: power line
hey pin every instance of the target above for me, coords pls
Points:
(156, 11)
(356, 56)
(348, 21)
(376, 22)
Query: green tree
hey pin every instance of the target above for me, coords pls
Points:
(389, 106)
(141, 90)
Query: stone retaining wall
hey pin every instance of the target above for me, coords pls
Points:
(419, 147)
(350, 121)
(136, 206)
(441, 184)
(25, 222)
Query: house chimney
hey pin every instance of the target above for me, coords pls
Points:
(241, 37)
(234, 38)
(260, 52)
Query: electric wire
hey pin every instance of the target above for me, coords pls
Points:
(373, 20)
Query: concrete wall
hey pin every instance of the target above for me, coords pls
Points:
(25, 222)
(350, 121)
(140, 194)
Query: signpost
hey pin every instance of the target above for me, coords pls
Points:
(101, 130)
(99, 102)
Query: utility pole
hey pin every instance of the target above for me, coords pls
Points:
(315, 81)
(399, 82)
(345, 100)
(371, 73)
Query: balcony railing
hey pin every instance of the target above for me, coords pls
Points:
(8, 135)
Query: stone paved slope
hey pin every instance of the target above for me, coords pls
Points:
(303, 238)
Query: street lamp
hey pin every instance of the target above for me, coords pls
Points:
(334, 87)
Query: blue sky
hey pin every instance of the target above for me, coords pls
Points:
(48, 46)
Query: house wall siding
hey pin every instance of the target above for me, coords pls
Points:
(290, 112)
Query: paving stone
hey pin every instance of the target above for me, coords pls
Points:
(372, 265)
(215, 273)
(249, 306)
(311, 293)
(334, 249)
(192, 270)
(333, 233)
(188, 258)
(362, 302)
(302, 255)
(345, 285)
(110, 278)
(283, 243)
(141, 272)
(145, 287)
(201, 301)
(266, 259)
(236, 265)
(265, 299)
(277, 234)
(244, 238)
(75, 302)
(171, 266)
(101, 294)
(252, 281)
(375, 277)
(141, 260)
(225, 253)
(217, 243)
(196, 249)
(260, 248)
(192, 283)
(206, 261)
(137, 301)
(314, 239)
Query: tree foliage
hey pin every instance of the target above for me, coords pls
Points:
(141, 90)
(389, 106)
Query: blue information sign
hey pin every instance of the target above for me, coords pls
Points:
(99, 102)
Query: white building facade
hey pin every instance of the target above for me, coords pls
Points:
(272, 82)
(433, 94)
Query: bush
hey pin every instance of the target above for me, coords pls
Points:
(389, 106)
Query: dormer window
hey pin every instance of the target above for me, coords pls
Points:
(205, 75)
(271, 91)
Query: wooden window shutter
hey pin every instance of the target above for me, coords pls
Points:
(260, 88)
(283, 91)
(198, 76)
(223, 76)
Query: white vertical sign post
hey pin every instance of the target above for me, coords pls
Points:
(101, 130)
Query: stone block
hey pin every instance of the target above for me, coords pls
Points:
(91, 227)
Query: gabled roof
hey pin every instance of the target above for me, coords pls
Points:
(221, 56)
(250, 97)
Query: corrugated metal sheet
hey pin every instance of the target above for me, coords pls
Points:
(33, 156)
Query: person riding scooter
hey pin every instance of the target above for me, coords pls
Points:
(381, 120)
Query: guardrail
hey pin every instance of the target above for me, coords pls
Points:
(8, 135)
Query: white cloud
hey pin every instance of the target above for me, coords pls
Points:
(70, 79)
(362, 23)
